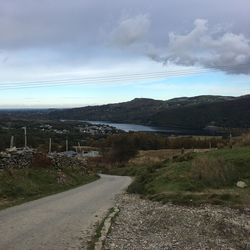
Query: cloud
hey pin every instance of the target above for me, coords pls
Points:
(131, 30)
(228, 51)
(3, 57)
(67, 34)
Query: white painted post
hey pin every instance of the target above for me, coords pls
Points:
(12, 142)
(25, 137)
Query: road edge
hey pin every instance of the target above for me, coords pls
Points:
(102, 229)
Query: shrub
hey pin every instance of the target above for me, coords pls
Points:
(139, 184)
(136, 188)
(122, 149)
(41, 160)
(245, 139)
(184, 157)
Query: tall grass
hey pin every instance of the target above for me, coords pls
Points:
(213, 172)
(244, 139)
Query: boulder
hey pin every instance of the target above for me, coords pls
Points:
(241, 184)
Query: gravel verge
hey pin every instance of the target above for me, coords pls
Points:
(143, 224)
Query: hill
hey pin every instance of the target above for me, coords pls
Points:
(225, 113)
(185, 112)
(136, 111)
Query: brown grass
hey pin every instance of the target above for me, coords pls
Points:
(153, 156)
(214, 172)
(156, 156)
(244, 140)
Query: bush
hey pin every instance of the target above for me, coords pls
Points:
(41, 160)
(213, 172)
(136, 188)
(245, 140)
(122, 149)
(184, 157)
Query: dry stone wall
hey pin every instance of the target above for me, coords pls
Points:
(21, 160)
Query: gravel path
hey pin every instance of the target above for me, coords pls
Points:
(59, 221)
(143, 224)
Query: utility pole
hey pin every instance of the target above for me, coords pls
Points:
(25, 137)
(49, 145)
(67, 145)
(12, 142)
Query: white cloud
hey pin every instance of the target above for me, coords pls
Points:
(202, 47)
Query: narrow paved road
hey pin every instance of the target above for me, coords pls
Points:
(59, 221)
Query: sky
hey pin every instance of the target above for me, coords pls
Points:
(64, 53)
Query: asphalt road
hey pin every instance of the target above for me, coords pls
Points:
(59, 221)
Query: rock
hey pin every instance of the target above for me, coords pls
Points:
(24, 159)
(61, 177)
(19, 160)
(241, 184)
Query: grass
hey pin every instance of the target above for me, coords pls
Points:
(195, 178)
(98, 230)
(153, 156)
(21, 185)
(96, 235)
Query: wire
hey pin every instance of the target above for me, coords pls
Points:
(111, 78)
(93, 81)
(105, 76)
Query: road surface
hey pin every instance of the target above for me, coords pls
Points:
(59, 221)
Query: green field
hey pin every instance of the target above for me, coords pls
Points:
(195, 178)
(21, 185)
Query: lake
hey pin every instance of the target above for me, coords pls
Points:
(142, 128)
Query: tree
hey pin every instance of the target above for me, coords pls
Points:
(123, 148)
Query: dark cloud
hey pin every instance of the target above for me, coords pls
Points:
(228, 52)
(83, 30)
(44, 23)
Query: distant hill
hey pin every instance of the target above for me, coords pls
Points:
(138, 111)
(224, 113)
(184, 112)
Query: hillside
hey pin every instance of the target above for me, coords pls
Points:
(228, 113)
(193, 112)
(138, 111)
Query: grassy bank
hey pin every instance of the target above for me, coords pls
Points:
(195, 178)
(21, 185)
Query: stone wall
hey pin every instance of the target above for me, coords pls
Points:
(22, 159)
(17, 160)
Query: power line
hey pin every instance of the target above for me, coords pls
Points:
(172, 72)
(105, 77)
(94, 81)
(109, 78)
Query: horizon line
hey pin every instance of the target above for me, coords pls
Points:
(18, 107)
